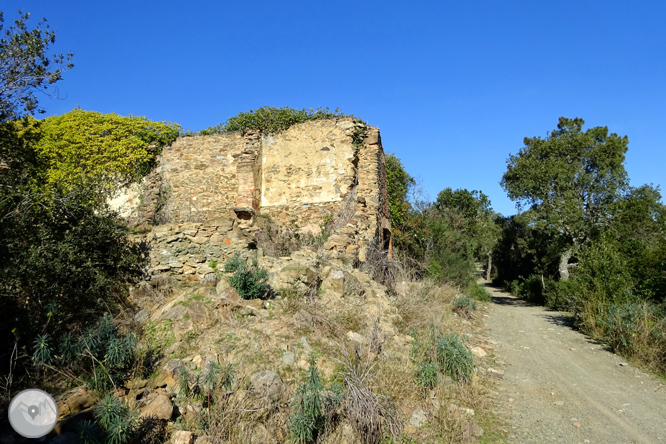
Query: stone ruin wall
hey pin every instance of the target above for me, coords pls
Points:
(302, 177)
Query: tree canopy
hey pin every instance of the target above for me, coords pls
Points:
(25, 67)
(569, 181)
(398, 184)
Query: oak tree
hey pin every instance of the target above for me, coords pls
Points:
(568, 182)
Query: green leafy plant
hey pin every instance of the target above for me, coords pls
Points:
(454, 358)
(115, 423)
(426, 376)
(271, 119)
(233, 264)
(250, 282)
(435, 352)
(478, 292)
(199, 385)
(101, 357)
(464, 306)
(313, 407)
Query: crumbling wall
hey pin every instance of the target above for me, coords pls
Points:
(309, 177)
(187, 251)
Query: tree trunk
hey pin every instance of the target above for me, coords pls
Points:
(564, 264)
(489, 267)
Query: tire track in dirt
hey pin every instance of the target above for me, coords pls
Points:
(556, 377)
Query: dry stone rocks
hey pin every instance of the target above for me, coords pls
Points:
(334, 282)
(478, 352)
(160, 407)
(419, 418)
(182, 437)
(267, 384)
(288, 359)
(201, 315)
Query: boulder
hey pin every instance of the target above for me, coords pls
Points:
(223, 224)
(297, 272)
(182, 328)
(288, 359)
(336, 241)
(303, 320)
(173, 367)
(142, 315)
(182, 437)
(478, 352)
(80, 400)
(175, 312)
(161, 407)
(419, 418)
(201, 315)
(267, 384)
(222, 285)
(334, 283)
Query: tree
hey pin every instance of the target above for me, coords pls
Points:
(569, 180)
(398, 184)
(473, 216)
(25, 66)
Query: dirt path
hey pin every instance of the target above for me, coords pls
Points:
(560, 386)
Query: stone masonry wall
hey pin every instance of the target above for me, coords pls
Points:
(304, 178)
(201, 176)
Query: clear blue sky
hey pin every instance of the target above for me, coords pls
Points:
(453, 86)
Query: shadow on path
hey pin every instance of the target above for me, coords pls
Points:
(560, 319)
(508, 300)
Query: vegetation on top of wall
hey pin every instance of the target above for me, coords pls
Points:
(271, 119)
(107, 150)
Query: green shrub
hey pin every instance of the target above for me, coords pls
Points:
(454, 358)
(464, 306)
(61, 258)
(314, 408)
(435, 352)
(532, 290)
(233, 264)
(100, 357)
(426, 376)
(478, 292)
(115, 423)
(271, 119)
(564, 295)
(250, 282)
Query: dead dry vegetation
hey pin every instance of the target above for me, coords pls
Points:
(334, 357)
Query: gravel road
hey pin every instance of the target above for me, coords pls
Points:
(560, 386)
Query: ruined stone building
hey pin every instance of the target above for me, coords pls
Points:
(207, 192)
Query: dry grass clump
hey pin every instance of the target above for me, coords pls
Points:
(241, 417)
(422, 304)
(350, 318)
(155, 292)
(372, 415)
(381, 268)
(395, 379)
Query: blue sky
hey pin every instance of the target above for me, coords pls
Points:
(453, 86)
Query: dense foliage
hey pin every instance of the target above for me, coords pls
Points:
(65, 258)
(446, 237)
(100, 150)
(270, 119)
(568, 181)
(61, 261)
(588, 243)
(398, 184)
